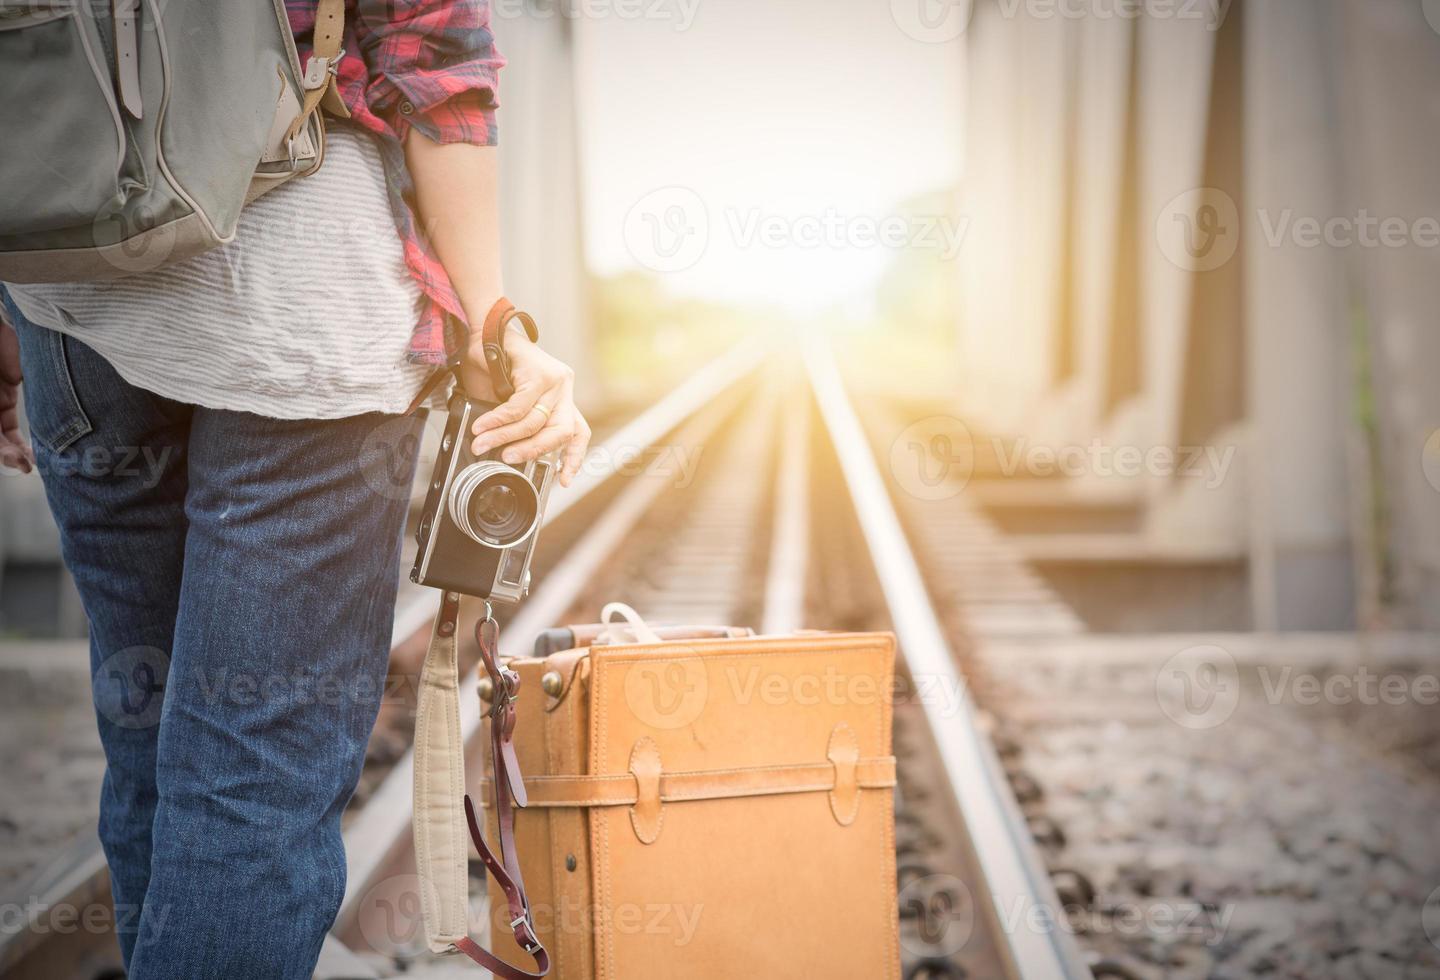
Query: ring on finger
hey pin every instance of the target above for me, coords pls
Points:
(542, 410)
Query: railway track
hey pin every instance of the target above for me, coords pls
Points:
(736, 516)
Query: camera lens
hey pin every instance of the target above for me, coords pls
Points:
(494, 504)
(497, 511)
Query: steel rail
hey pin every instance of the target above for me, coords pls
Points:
(1014, 877)
(790, 526)
(380, 832)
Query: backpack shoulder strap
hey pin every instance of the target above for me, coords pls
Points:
(319, 80)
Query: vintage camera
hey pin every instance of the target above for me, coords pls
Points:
(481, 517)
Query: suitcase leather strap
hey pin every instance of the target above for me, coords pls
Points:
(622, 789)
(441, 851)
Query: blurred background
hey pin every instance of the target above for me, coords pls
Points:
(1134, 304)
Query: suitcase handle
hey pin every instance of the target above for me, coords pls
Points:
(641, 629)
(580, 635)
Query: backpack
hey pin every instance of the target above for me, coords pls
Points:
(133, 132)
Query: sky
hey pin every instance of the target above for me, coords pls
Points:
(756, 150)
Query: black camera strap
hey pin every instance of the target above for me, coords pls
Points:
(492, 345)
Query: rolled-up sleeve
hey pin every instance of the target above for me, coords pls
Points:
(433, 66)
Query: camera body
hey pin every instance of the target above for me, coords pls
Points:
(482, 516)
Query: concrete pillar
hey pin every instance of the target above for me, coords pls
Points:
(1044, 75)
(1176, 57)
(1389, 57)
(1121, 345)
(1198, 395)
(1102, 100)
(1014, 188)
(1300, 395)
(540, 183)
(991, 269)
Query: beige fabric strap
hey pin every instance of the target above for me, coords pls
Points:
(127, 55)
(678, 787)
(441, 848)
(319, 80)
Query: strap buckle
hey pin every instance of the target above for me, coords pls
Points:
(507, 685)
(319, 70)
(528, 943)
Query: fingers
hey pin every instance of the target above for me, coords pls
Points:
(540, 417)
(513, 412)
(560, 430)
(568, 431)
(575, 452)
(9, 355)
(16, 458)
(531, 422)
(15, 452)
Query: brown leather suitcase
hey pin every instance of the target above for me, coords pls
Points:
(706, 808)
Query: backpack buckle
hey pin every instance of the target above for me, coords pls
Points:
(319, 71)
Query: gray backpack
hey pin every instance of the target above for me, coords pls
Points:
(132, 132)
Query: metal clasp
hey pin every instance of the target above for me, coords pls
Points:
(530, 944)
(319, 71)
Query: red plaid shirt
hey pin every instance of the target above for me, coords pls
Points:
(430, 64)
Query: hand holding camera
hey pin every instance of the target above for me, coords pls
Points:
(487, 494)
(539, 417)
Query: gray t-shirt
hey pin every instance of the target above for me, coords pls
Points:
(306, 314)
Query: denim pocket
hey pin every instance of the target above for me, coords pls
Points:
(53, 408)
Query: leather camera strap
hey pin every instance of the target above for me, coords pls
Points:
(441, 851)
(492, 341)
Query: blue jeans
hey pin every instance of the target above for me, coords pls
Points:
(239, 574)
